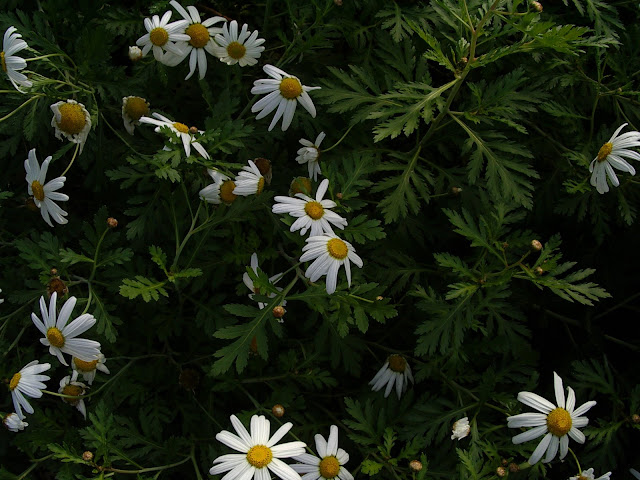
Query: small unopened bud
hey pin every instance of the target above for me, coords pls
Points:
(189, 378)
(112, 222)
(536, 245)
(278, 312)
(514, 467)
(539, 271)
(87, 456)
(57, 285)
(504, 462)
(53, 271)
(379, 297)
(193, 130)
(537, 6)
(135, 53)
(456, 190)
(505, 245)
(338, 3)
(635, 418)
(278, 410)
(339, 195)
(254, 345)
(299, 185)
(31, 205)
(415, 465)
(501, 472)
(264, 165)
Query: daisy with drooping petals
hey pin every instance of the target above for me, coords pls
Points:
(329, 252)
(249, 181)
(249, 283)
(180, 129)
(221, 190)
(12, 44)
(72, 121)
(312, 214)
(232, 48)
(88, 370)
(284, 92)
(310, 154)
(28, 381)
(14, 423)
(612, 155)
(70, 386)
(461, 429)
(396, 371)
(132, 109)
(200, 39)
(331, 462)
(60, 337)
(260, 455)
(588, 475)
(44, 194)
(556, 423)
(162, 35)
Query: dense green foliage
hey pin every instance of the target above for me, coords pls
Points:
(457, 133)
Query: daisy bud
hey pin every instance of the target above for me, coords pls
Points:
(456, 190)
(501, 472)
(298, 185)
(505, 245)
(504, 462)
(415, 465)
(135, 53)
(635, 418)
(87, 456)
(536, 245)
(57, 285)
(31, 205)
(264, 165)
(254, 345)
(112, 222)
(278, 312)
(278, 410)
(339, 195)
(193, 130)
(53, 272)
(338, 3)
(539, 271)
(514, 467)
(537, 6)
(379, 297)
(189, 378)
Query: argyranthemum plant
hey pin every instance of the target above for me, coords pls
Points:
(28, 382)
(461, 429)
(589, 475)
(395, 371)
(329, 253)
(11, 63)
(556, 422)
(331, 462)
(88, 370)
(244, 48)
(249, 181)
(249, 283)
(132, 109)
(163, 36)
(310, 154)
(72, 121)
(44, 194)
(69, 385)
(14, 423)
(612, 155)
(180, 129)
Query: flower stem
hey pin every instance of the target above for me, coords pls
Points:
(75, 154)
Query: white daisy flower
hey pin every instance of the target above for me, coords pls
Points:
(44, 194)
(460, 429)
(232, 48)
(60, 337)
(329, 252)
(180, 129)
(249, 181)
(396, 371)
(284, 92)
(14, 423)
(556, 423)
(135, 53)
(71, 120)
(200, 39)
(88, 370)
(249, 283)
(635, 473)
(28, 382)
(132, 109)
(1, 299)
(12, 44)
(260, 455)
(331, 462)
(314, 214)
(221, 190)
(70, 386)
(588, 475)
(310, 153)
(162, 35)
(612, 155)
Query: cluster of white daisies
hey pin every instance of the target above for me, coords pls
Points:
(62, 337)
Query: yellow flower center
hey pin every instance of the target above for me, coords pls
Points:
(181, 127)
(397, 363)
(314, 210)
(559, 422)
(72, 119)
(337, 249)
(329, 467)
(85, 366)
(226, 191)
(38, 190)
(260, 185)
(582, 477)
(55, 337)
(15, 380)
(236, 50)
(159, 36)
(73, 390)
(136, 107)
(259, 456)
(2, 60)
(604, 151)
(290, 88)
(199, 35)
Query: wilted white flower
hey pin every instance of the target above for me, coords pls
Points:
(132, 109)
(11, 63)
(396, 371)
(249, 181)
(284, 92)
(44, 194)
(72, 121)
(162, 35)
(232, 48)
(249, 283)
(179, 129)
(588, 475)
(612, 155)
(88, 370)
(556, 423)
(27, 382)
(461, 429)
(329, 465)
(14, 423)
(310, 154)
(135, 53)
(70, 386)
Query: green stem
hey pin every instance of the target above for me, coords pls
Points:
(338, 142)
(17, 109)
(75, 154)
(577, 462)
(143, 470)
(120, 136)
(45, 56)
